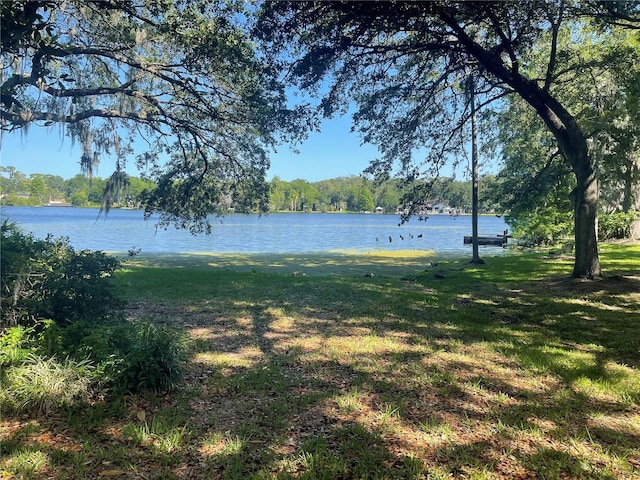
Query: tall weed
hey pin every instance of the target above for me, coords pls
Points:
(15, 346)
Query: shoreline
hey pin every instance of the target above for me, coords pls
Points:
(330, 262)
(326, 262)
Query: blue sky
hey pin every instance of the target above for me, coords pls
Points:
(333, 152)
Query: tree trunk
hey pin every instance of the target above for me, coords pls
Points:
(630, 179)
(585, 197)
(573, 145)
(626, 191)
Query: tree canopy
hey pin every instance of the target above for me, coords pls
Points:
(180, 78)
(403, 64)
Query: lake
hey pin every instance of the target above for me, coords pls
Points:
(123, 230)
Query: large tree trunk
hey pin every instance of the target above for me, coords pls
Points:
(585, 197)
(573, 145)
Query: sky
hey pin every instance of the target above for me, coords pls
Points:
(334, 152)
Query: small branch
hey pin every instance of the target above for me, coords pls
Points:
(551, 65)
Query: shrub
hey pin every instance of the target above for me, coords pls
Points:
(616, 225)
(544, 226)
(130, 357)
(48, 279)
(124, 358)
(153, 359)
(63, 302)
(45, 384)
(15, 346)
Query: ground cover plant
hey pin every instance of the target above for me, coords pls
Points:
(335, 367)
(64, 338)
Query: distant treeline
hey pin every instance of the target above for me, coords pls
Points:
(359, 194)
(349, 194)
(37, 189)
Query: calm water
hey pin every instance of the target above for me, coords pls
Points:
(274, 233)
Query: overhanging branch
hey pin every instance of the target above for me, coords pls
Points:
(27, 116)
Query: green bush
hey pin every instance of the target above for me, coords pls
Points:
(16, 344)
(616, 225)
(124, 358)
(48, 279)
(543, 226)
(130, 357)
(61, 302)
(153, 360)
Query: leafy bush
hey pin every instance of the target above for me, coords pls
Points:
(15, 346)
(616, 225)
(130, 357)
(153, 360)
(48, 279)
(62, 302)
(114, 357)
(544, 226)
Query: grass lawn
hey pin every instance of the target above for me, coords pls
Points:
(303, 367)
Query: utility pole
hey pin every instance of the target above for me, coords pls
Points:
(471, 91)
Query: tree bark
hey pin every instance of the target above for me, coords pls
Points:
(585, 197)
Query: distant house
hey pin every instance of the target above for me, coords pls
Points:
(438, 208)
(379, 210)
(58, 203)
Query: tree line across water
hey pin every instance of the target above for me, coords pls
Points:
(342, 194)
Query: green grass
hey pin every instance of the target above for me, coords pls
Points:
(303, 367)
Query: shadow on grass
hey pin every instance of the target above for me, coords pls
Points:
(333, 263)
(456, 371)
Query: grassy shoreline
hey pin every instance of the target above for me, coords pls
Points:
(332, 262)
(300, 366)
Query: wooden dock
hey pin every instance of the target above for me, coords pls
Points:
(494, 240)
